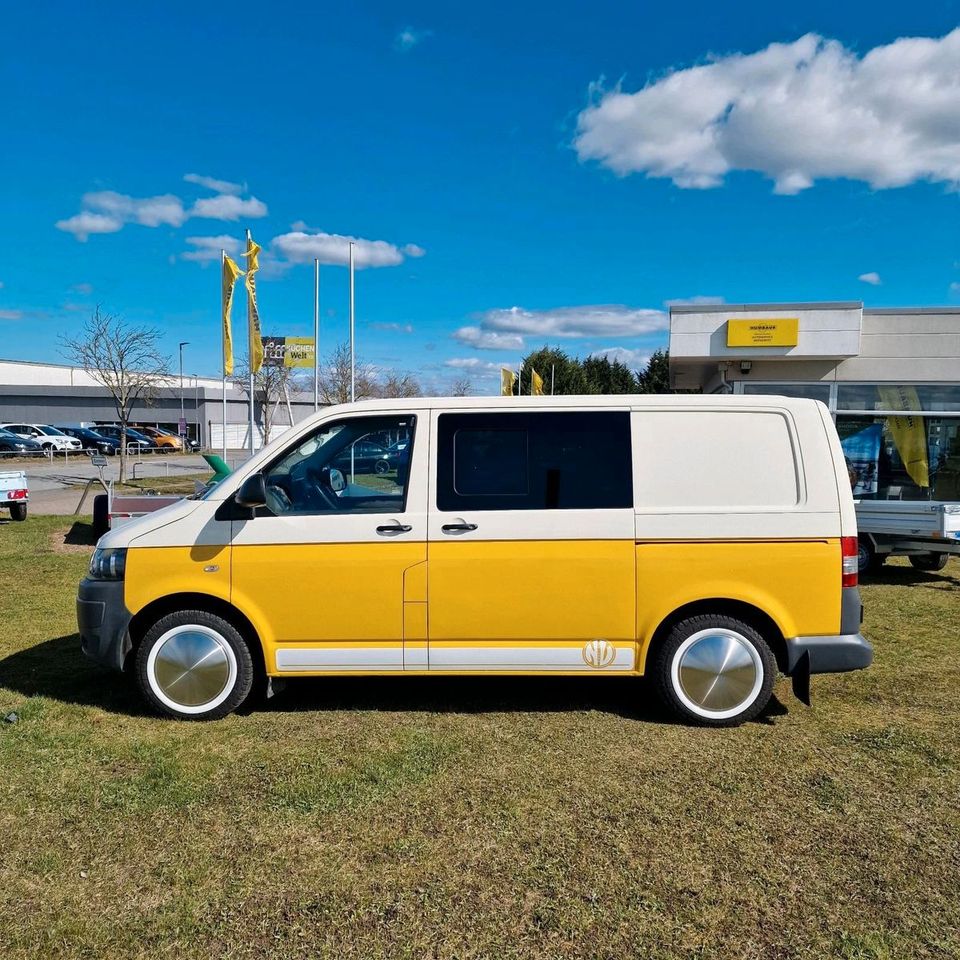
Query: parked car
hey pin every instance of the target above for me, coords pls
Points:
(593, 536)
(91, 440)
(142, 443)
(164, 439)
(49, 438)
(365, 456)
(15, 445)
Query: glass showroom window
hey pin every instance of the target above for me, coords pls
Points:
(933, 397)
(902, 457)
(811, 391)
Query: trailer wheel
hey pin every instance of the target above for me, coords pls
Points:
(101, 517)
(929, 561)
(18, 511)
(868, 560)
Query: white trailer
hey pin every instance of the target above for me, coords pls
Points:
(14, 494)
(926, 531)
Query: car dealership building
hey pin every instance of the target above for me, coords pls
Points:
(890, 378)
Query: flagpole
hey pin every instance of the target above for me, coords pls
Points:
(316, 334)
(223, 353)
(553, 370)
(250, 349)
(353, 356)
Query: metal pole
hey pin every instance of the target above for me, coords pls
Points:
(553, 370)
(223, 356)
(250, 350)
(353, 356)
(183, 343)
(316, 334)
(196, 408)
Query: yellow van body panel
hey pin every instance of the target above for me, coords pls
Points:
(795, 582)
(324, 593)
(532, 591)
(156, 572)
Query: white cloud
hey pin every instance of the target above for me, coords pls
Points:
(226, 206)
(408, 38)
(332, 248)
(11, 314)
(147, 211)
(794, 112)
(955, 287)
(694, 301)
(207, 249)
(873, 278)
(488, 339)
(217, 186)
(634, 359)
(412, 250)
(81, 225)
(393, 327)
(475, 365)
(83, 288)
(594, 320)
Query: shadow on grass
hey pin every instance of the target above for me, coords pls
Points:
(80, 535)
(908, 576)
(57, 669)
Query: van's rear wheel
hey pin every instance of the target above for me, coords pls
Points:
(18, 511)
(194, 665)
(714, 671)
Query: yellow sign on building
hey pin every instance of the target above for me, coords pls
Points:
(763, 332)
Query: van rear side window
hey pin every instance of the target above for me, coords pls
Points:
(707, 461)
(534, 461)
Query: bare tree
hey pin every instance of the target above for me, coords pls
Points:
(399, 385)
(335, 378)
(126, 359)
(270, 385)
(462, 387)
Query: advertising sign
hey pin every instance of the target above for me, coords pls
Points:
(288, 351)
(862, 453)
(773, 332)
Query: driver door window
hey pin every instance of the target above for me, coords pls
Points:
(360, 465)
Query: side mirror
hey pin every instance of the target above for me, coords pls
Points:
(252, 492)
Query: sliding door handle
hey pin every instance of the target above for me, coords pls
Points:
(393, 528)
(459, 527)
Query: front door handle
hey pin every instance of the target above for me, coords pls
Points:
(459, 527)
(393, 528)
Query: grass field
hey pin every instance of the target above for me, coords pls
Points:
(476, 818)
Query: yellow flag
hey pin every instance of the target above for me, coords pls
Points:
(909, 433)
(507, 380)
(536, 383)
(230, 273)
(253, 315)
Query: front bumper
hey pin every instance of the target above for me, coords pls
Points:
(103, 621)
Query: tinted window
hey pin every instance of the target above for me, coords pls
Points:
(534, 461)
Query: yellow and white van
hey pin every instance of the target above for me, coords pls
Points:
(705, 542)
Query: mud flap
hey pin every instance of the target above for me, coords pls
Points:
(800, 676)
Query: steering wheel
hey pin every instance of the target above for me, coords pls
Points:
(321, 481)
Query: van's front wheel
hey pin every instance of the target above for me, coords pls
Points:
(714, 671)
(194, 665)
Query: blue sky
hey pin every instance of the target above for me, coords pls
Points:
(506, 193)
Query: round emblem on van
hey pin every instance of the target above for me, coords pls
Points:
(599, 653)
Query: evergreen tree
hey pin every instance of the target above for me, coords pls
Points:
(655, 377)
(566, 372)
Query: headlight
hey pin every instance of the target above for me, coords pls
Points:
(108, 563)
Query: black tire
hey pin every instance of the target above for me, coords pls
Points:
(18, 511)
(223, 638)
(381, 467)
(868, 560)
(101, 516)
(929, 561)
(752, 681)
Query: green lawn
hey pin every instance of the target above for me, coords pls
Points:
(454, 818)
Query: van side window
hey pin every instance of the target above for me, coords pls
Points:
(355, 465)
(534, 461)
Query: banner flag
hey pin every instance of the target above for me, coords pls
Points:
(909, 433)
(230, 274)
(536, 383)
(507, 380)
(253, 315)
